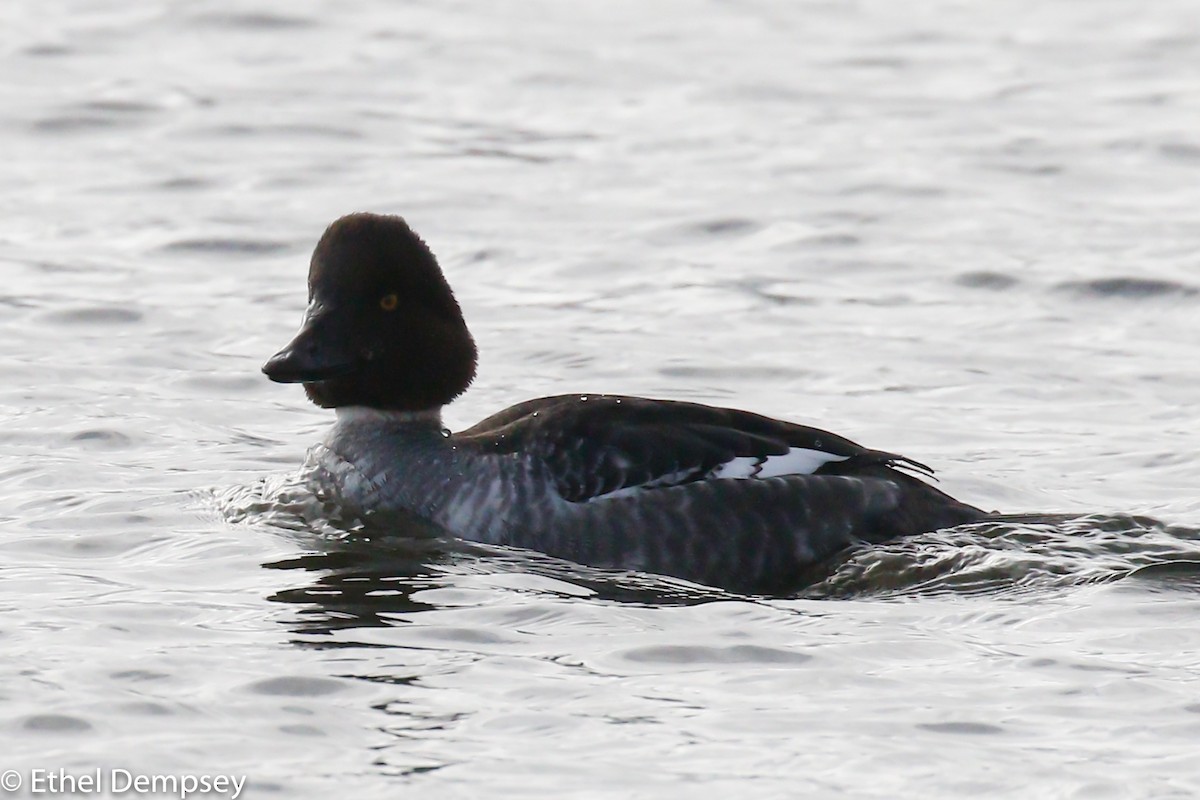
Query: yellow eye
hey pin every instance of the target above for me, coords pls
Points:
(388, 302)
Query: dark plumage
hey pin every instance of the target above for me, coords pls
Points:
(597, 444)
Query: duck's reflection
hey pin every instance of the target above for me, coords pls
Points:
(357, 585)
(375, 578)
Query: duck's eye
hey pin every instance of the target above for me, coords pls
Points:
(389, 302)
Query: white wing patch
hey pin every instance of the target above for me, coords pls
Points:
(796, 461)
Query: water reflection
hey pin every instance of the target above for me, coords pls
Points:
(371, 580)
(359, 586)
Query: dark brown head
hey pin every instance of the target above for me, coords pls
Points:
(382, 329)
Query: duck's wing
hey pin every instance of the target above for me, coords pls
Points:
(598, 446)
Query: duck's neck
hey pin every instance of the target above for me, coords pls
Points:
(349, 415)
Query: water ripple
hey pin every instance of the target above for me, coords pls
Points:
(1128, 288)
(1023, 555)
(230, 246)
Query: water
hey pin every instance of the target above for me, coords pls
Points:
(960, 231)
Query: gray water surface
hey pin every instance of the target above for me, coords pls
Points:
(962, 231)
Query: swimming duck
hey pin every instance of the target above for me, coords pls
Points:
(718, 496)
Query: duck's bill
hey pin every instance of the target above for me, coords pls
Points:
(317, 352)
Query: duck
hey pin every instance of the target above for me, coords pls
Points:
(715, 496)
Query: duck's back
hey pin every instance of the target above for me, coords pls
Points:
(714, 495)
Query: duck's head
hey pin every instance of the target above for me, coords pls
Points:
(382, 329)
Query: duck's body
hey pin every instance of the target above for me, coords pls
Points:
(713, 495)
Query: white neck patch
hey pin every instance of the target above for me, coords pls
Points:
(365, 414)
